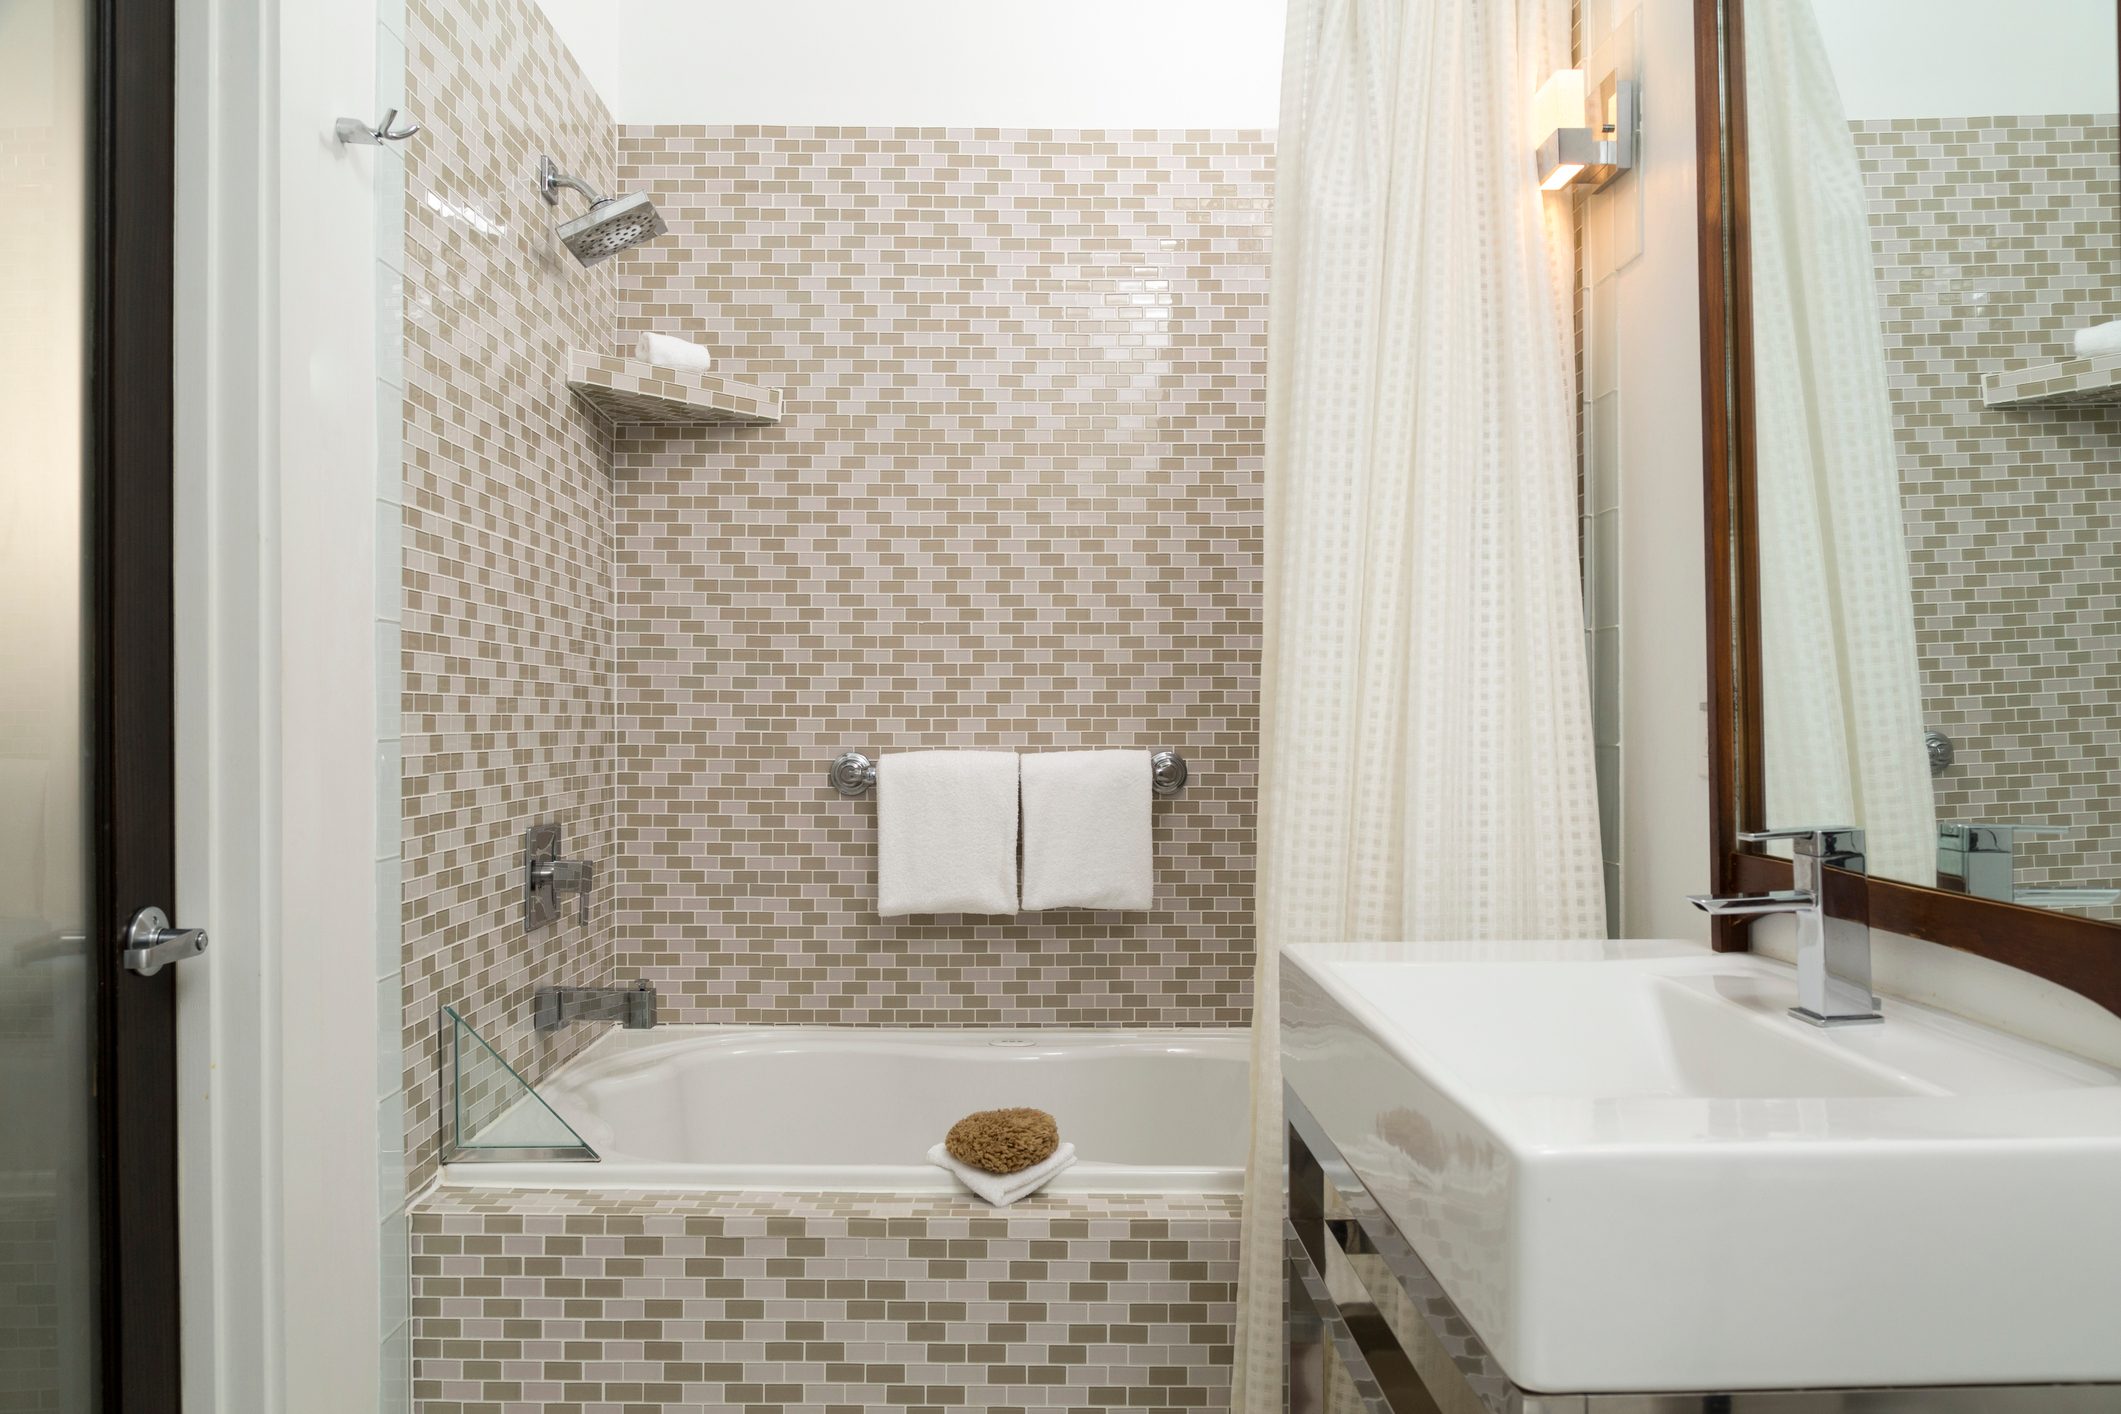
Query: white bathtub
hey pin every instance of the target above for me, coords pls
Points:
(846, 1109)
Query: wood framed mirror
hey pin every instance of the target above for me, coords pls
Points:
(1913, 465)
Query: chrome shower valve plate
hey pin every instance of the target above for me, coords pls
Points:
(541, 896)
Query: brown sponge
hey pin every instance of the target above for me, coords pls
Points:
(1003, 1141)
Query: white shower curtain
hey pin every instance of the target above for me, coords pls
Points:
(1841, 685)
(1426, 767)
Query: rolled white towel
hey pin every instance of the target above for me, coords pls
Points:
(2099, 339)
(670, 351)
(1002, 1189)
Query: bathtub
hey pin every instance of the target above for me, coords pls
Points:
(847, 1109)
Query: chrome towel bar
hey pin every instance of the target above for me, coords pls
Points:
(853, 774)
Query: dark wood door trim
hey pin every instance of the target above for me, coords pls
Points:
(132, 568)
(2082, 954)
(1719, 400)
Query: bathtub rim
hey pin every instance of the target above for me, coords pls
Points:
(618, 1045)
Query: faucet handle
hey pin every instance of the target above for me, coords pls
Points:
(1829, 842)
(1987, 836)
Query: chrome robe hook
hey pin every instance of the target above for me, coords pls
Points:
(357, 133)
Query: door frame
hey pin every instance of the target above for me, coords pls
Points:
(279, 1135)
(132, 657)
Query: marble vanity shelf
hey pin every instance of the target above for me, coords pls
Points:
(633, 394)
(2058, 384)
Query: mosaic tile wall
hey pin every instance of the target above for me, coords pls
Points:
(32, 1374)
(1014, 502)
(1996, 238)
(507, 618)
(829, 1304)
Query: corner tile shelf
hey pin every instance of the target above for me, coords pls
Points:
(2059, 384)
(633, 394)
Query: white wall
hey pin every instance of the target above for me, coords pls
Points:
(278, 1055)
(1642, 374)
(933, 63)
(1961, 58)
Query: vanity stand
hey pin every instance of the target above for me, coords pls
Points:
(1331, 1217)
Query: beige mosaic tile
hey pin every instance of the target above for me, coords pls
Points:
(822, 1304)
(507, 627)
(36, 1371)
(1013, 502)
(1996, 238)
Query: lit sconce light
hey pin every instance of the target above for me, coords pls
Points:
(1573, 153)
(1563, 174)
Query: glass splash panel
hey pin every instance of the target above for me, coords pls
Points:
(493, 1115)
(52, 1340)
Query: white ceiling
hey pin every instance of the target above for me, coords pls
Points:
(1969, 58)
(932, 63)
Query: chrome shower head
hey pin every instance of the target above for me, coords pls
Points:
(610, 225)
(614, 224)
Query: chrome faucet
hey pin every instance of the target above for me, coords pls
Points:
(1985, 855)
(1833, 950)
(634, 1007)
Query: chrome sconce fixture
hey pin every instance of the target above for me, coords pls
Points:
(1578, 149)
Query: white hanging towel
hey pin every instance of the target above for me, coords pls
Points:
(946, 833)
(1087, 842)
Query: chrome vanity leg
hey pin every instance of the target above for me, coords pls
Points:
(1304, 1348)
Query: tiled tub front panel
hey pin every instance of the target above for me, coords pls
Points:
(615, 1303)
(1014, 500)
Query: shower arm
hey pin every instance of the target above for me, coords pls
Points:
(551, 179)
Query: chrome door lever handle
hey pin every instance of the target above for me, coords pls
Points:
(150, 942)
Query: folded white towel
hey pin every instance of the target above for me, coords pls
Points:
(1087, 842)
(1002, 1189)
(670, 351)
(946, 833)
(2099, 339)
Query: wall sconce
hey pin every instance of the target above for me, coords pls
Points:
(1576, 155)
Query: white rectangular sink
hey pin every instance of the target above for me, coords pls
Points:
(1633, 1171)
